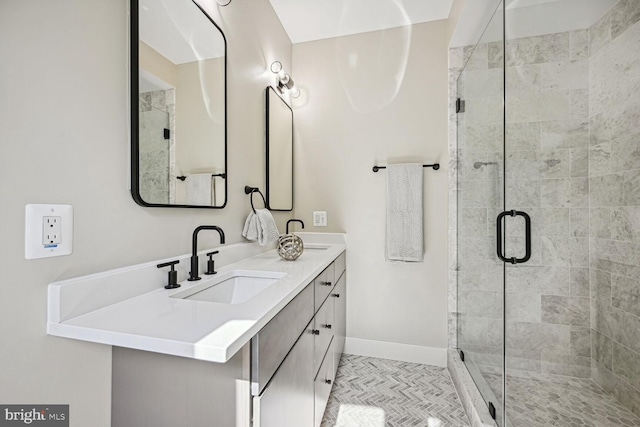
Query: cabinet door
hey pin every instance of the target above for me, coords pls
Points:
(339, 296)
(322, 384)
(323, 332)
(323, 284)
(288, 400)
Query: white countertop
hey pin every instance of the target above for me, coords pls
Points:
(153, 321)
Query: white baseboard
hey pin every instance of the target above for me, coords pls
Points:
(397, 351)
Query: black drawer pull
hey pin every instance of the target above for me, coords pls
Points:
(315, 331)
(327, 381)
(328, 326)
(325, 283)
(335, 295)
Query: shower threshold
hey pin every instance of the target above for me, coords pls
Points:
(544, 400)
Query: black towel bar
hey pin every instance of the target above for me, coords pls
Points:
(221, 175)
(435, 167)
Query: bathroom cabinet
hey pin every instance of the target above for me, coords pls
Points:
(281, 378)
(339, 296)
(288, 400)
(297, 393)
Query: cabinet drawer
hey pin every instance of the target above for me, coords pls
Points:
(323, 285)
(340, 265)
(288, 399)
(270, 346)
(323, 329)
(322, 385)
(339, 296)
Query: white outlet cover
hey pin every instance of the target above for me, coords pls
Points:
(34, 246)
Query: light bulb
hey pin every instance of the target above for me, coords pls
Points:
(294, 92)
(223, 2)
(276, 67)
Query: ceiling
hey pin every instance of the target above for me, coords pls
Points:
(525, 18)
(179, 31)
(306, 20)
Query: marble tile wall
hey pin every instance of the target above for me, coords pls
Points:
(573, 162)
(614, 177)
(547, 300)
(156, 154)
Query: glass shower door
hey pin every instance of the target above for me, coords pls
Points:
(480, 280)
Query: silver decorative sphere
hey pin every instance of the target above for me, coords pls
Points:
(290, 246)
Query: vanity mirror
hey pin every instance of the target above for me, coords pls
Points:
(279, 137)
(178, 106)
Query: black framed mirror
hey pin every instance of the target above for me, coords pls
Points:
(178, 106)
(279, 140)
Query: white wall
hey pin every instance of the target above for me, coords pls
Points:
(64, 126)
(359, 107)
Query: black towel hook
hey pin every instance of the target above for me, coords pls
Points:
(251, 190)
(294, 220)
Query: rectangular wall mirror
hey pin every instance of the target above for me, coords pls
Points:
(279, 137)
(178, 106)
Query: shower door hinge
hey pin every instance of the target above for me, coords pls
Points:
(461, 355)
(492, 410)
(459, 105)
(167, 133)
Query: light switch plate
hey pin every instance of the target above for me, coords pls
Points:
(320, 218)
(48, 231)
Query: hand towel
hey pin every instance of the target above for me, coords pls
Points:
(218, 190)
(260, 226)
(199, 189)
(404, 213)
(250, 230)
(267, 230)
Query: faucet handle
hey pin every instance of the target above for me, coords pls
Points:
(173, 274)
(211, 269)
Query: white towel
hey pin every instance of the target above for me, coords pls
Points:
(250, 230)
(261, 226)
(218, 190)
(199, 189)
(404, 213)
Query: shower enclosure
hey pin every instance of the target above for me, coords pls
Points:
(548, 213)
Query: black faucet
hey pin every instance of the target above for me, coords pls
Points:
(193, 274)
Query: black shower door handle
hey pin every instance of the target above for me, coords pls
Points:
(527, 231)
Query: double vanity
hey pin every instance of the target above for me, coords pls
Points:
(256, 344)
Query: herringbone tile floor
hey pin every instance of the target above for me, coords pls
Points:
(371, 392)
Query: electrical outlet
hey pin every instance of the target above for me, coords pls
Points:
(320, 218)
(48, 231)
(51, 230)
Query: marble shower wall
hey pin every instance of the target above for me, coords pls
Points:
(614, 176)
(573, 163)
(157, 154)
(547, 301)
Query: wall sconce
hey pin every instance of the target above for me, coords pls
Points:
(223, 2)
(284, 80)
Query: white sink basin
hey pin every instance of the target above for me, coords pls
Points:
(234, 287)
